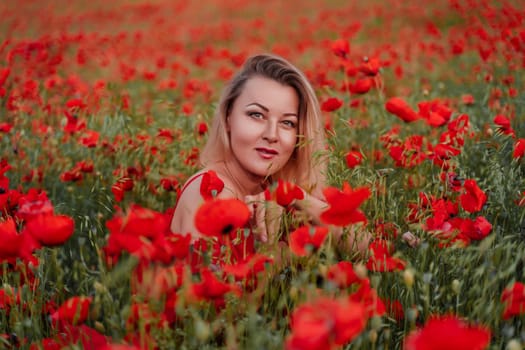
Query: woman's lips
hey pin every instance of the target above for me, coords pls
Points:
(266, 153)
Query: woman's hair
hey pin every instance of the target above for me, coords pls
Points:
(307, 165)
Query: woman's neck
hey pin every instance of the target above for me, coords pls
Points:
(246, 183)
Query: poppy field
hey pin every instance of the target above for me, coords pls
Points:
(105, 106)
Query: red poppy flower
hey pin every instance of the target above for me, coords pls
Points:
(248, 270)
(353, 159)
(381, 258)
(89, 138)
(435, 112)
(170, 184)
(370, 66)
(331, 104)
(361, 86)
(32, 204)
(341, 48)
(459, 335)
(287, 192)
(211, 185)
(401, 109)
(473, 199)
(467, 99)
(50, 230)
(306, 239)
(73, 311)
(367, 296)
(202, 128)
(342, 274)
(139, 221)
(476, 229)
(386, 230)
(211, 288)
(395, 309)
(170, 246)
(73, 124)
(71, 175)
(519, 149)
(325, 324)
(343, 205)
(219, 217)
(5, 127)
(75, 103)
(409, 153)
(122, 185)
(11, 241)
(513, 298)
(504, 124)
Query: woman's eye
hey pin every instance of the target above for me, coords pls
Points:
(289, 123)
(255, 115)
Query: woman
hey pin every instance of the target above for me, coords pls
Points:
(267, 126)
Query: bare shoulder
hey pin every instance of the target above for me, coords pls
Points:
(191, 199)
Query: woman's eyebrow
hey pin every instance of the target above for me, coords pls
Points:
(258, 105)
(291, 114)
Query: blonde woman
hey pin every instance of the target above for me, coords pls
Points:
(267, 126)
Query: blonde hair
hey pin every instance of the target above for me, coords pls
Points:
(307, 165)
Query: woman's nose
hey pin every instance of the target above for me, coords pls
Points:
(270, 132)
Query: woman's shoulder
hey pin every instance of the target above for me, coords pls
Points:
(205, 183)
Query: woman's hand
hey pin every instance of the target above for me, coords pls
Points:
(266, 216)
(256, 204)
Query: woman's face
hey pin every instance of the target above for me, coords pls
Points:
(263, 126)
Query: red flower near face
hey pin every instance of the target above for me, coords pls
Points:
(73, 311)
(448, 332)
(401, 109)
(211, 185)
(50, 230)
(344, 205)
(473, 199)
(331, 104)
(306, 239)
(325, 324)
(219, 217)
(513, 298)
(519, 149)
(287, 192)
